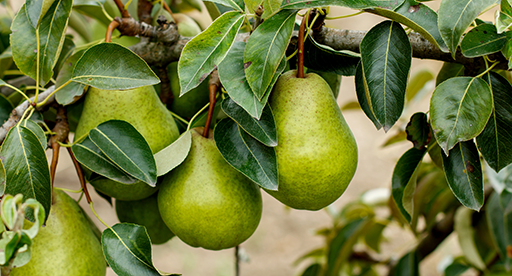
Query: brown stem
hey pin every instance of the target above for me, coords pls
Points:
(237, 260)
(61, 130)
(319, 22)
(300, 54)
(110, 29)
(166, 7)
(257, 19)
(120, 6)
(81, 176)
(213, 86)
(144, 8)
(55, 160)
(166, 95)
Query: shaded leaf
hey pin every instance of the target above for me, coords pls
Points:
(482, 40)
(253, 159)
(398, 137)
(36, 9)
(504, 17)
(363, 96)
(174, 154)
(266, 48)
(112, 66)
(324, 58)
(6, 107)
(456, 16)
(92, 8)
(455, 269)
(205, 52)
(263, 130)
(353, 4)
(2, 178)
(312, 270)
(452, 110)
(466, 235)
(386, 59)
(37, 130)
(495, 140)
(126, 148)
(408, 265)
(496, 223)
(66, 95)
(449, 70)
(417, 83)
(374, 236)
(464, 174)
(28, 173)
(418, 130)
(238, 5)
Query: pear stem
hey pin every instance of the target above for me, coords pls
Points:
(81, 176)
(110, 29)
(166, 95)
(300, 54)
(120, 6)
(213, 86)
(237, 260)
(61, 130)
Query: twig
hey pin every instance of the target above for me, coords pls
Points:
(120, 6)
(213, 86)
(81, 176)
(300, 53)
(61, 130)
(144, 8)
(110, 29)
(166, 95)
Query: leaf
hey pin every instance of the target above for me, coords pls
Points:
(112, 66)
(2, 178)
(90, 156)
(353, 4)
(418, 130)
(126, 148)
(449, 70)
(417, 83)
(482, 40)
(127, 248)
(466, 235)
(455, 269)
(253, 159)
(404, 180)
(496, 223)
(238, 5)
(6, 107)
(504, 17)
(205, 52)
(418, 17)
(408, 265)
(28, 173)
(174, 154)
(374, 236)
(363, 96)
(266, 48)
(52, 31)
(270, 7)
(92, 8)
(232, 77)
(36, 9)
(386, 59)
(312, 270)
(495, 140)
(37, 130)
(263, 130)
(324, 58)
(66, 95)
(455, 16)
(464, 174)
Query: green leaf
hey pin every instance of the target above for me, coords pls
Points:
(506, 207)
(374, 236)
(418, 17)
(408, 265)
(237, 5)
(270, 7)
(495, 140)
(2, 178)
(205, 52)
(127, 248)
(363, 96)
(312, 270)
(266, 48)
(263, 130)
(418, 130)
(353, 4)
(464, 174)
(386, 56)
(24, 42)
(504, 17)
(482, 40)
(28, 171)
(90, 156)
(449, 70)
(496, 223)
(92, 8)
(6, 106)
(246, 154)
(404, 180)
(466, 235)
(455, 16)
(68, 47)
(112, 66)
(418, 82)
(126, 148)
(37, 130)
(174, 154)
(455, 269)
(452, 110)
(66, 95)
(36, 9)
(324, 58)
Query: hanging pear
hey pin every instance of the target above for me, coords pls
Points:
(316, 151)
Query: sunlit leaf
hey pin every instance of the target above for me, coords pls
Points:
(466, 235)
(174, 154)
(353, 4)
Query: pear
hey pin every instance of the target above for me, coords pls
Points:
(66, 245)
(316, 151)
(189, 104)
(140, 107)
(206, 202)
(145, 212)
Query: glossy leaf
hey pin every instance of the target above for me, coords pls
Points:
(452, 110)
(126, 148)
(127, 248)
(205, 52)
(6, 107)
(353, 4)
(24, 42)
(174, 154)
(112, 66)
(66, 95)
(253, 159)
(466, 235)
(90, 156)
(237, 5)
(464, 174)
(324, 58)
(263, 130)
(36, 9)
(408, 265)
(37, 130)
(496, 223)
(386, 59)
(495, 140)
(363, 96)
(266, 48)
(482, 40)
(456, 16)
(404, 180)
(449, 70)
(504, 17)
(418, 17)
(28, 173)
(418, 130)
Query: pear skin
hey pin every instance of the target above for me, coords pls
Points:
(316, 151)
(66, 245)
(206, 202)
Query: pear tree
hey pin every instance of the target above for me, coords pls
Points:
(182, 113)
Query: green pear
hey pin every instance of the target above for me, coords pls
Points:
(140, 107)
(66, 245)
(316, 151)
(206, 202)
(189, 104)
(186, 26)
(145, 212)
